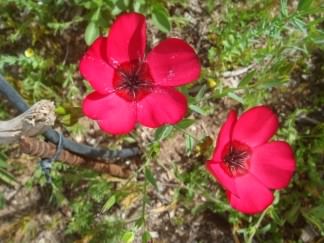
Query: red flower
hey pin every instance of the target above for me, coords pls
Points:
(246, 164)
(130, 87)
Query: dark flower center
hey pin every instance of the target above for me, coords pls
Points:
(132, 80)
(236, 158)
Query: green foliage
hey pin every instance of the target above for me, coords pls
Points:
(161, 18)
(261, 40)
(91, 33)
(42, 43)
(5, 176)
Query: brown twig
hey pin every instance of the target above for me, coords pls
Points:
(34, 147)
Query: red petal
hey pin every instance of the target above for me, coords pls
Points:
(162, 106)
(113, 113)
(173, 62)
(224, 136)
(127, 39)
(255, 126)
(273, 164)
(95, 69)
(221, 176)
(98, 49)
(253, 197)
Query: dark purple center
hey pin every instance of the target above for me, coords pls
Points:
(236, 158)
(133, 80)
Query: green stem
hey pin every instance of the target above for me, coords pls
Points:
(256, 226)
(144, 204)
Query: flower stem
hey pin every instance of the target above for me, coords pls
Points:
(256, 226)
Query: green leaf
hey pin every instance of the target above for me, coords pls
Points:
(284, 8)
(3, 163)
(235, 97)
(146, 237)
(185, 123)
(201, 93)
(6, 177)
(246, 80)
(150, 177)
(91, 33)
(128, 237)
(304, 5)
(140, 222)
(111, 202)
(197, 109)
(96, 15)
(301, 25)
(139, 6)
(2, 201)
(189, 143)
(161, 18)
(60, 110)
(292, 214)
(315, 216)
(163, 132)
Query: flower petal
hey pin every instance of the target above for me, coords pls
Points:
(255, 126)
(114, 114)
(221, 176)
(162, 106)
(173, 62)
(127, 39)
(98, 49)
(253, 197)
(95, 69)
(224, 136)
(273, 164)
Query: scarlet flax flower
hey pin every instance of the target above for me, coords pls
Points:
(131, 87)
(247, 164)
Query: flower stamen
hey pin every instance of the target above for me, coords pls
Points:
(133, 80)
(236, 158)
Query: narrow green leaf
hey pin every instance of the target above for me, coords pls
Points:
(91, 33)
(96, 15)
(247, 79)
(163, 132)
(235, 97)
(128, 237)
(6, 177)
(146, 237)
(189, 143)
(111, 202)
(304, 5)
(2, 201)
(284, 8)
(270, 83)
(201, 93)
(150, 177)
(140, 222)
(3, 164)
(161, 18)
(185, 123)
(292, 214)
(301, 25)
(197, 109)
(315, 216)
(139, 6)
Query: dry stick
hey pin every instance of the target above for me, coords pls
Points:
(33, 121)
(41, 149)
